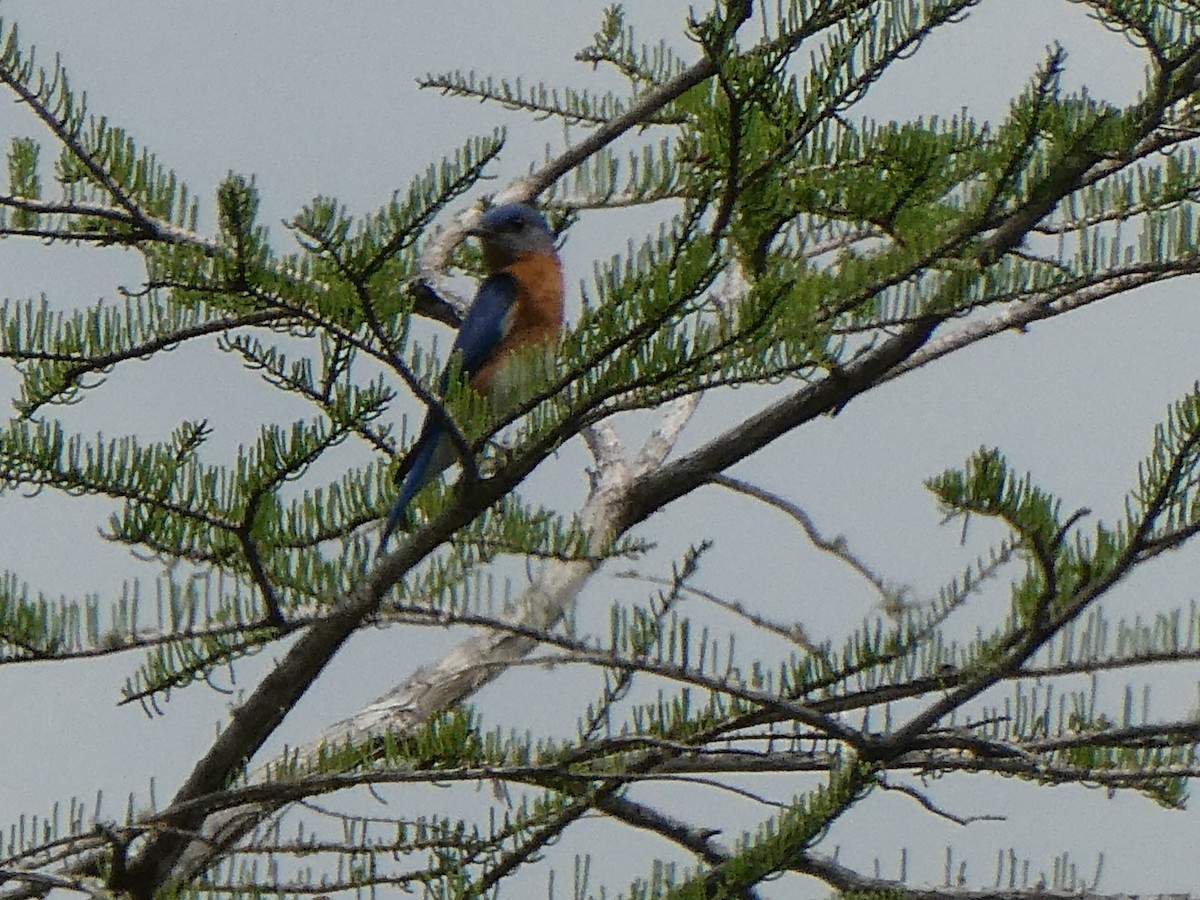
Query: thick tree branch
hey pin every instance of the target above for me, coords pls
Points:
(655, 490)
(848, 881)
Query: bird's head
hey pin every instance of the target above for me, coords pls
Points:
(512, 230)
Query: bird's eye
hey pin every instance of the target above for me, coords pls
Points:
(513, 225)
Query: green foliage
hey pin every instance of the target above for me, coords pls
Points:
(23, 179)
(1165, 502)
(802, 245)
(59, 354)
(614, 44)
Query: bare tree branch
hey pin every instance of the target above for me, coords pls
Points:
(893, 598)
(847, 880)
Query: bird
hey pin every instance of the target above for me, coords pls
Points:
(518, 306)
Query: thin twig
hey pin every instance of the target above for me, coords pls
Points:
(932, 807)
(893, 598)
(794, 633)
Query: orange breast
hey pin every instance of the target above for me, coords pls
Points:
(540, 303)
(536, 318)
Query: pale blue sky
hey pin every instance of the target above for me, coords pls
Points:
(314, 98)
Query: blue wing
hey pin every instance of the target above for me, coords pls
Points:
(476, 341)
(485, 325)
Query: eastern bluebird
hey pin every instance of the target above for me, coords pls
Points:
(519, 305)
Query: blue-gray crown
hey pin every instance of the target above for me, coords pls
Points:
(512, 229)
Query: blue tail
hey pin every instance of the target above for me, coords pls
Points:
(421, 472)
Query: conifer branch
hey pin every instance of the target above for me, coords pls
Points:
(846, 880)
(67, 132)
(143, 227)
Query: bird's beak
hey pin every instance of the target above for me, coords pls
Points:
(478, 231)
